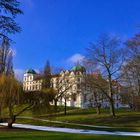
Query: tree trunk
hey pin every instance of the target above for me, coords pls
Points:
(12, 117)
(11, 121)
(112, 109)
(97, 104)
(65, 108)
(138, 87)
(55, 105)
(98, 111)
(0, 114)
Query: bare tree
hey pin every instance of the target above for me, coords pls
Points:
(107, 55)
(6, 55)
(93, 81)
(1, 101)
(133, 62)
(131, 73)
(6, 65)
(63, 85)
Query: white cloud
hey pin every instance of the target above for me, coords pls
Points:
(76, 58)
(19, 74)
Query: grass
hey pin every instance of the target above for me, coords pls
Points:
(39, 135)
(52, 124)
(36, 111)
(126, 120)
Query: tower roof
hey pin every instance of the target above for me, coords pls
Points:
(30, 71)
(78, 68)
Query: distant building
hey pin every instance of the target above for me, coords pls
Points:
(73, 82)
(32, 81)
(69, 81)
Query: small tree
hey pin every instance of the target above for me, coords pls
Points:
(93, 81)
(62, 91)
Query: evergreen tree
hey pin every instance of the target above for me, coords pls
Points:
(47, 75)
(9, 9)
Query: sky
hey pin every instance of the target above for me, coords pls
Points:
(61, 30)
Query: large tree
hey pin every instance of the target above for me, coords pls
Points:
(131, 73)
(106, 54)
(6, 64)
(133, 62)
(9, 9)
(13, 97)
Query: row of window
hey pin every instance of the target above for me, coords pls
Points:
(66, 80)
(34, 82)
(33, 87)
(72, 73)
(28, 78)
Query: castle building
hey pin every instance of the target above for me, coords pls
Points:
(70, 83)
(71, 86)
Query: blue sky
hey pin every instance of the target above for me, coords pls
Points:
(60, 30)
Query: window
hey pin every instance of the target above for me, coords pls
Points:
(78, 79)
(24, 78)
(74, 87)
(85, 97)
(74, 97)
(31, 77)
(78, 86)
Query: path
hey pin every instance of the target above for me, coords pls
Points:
(69, 130)
(60, 122)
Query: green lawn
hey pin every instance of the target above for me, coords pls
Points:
(127, 120)
(39, 135)
(52, 124)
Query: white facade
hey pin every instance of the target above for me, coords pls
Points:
(71, 86)
(31, 82)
